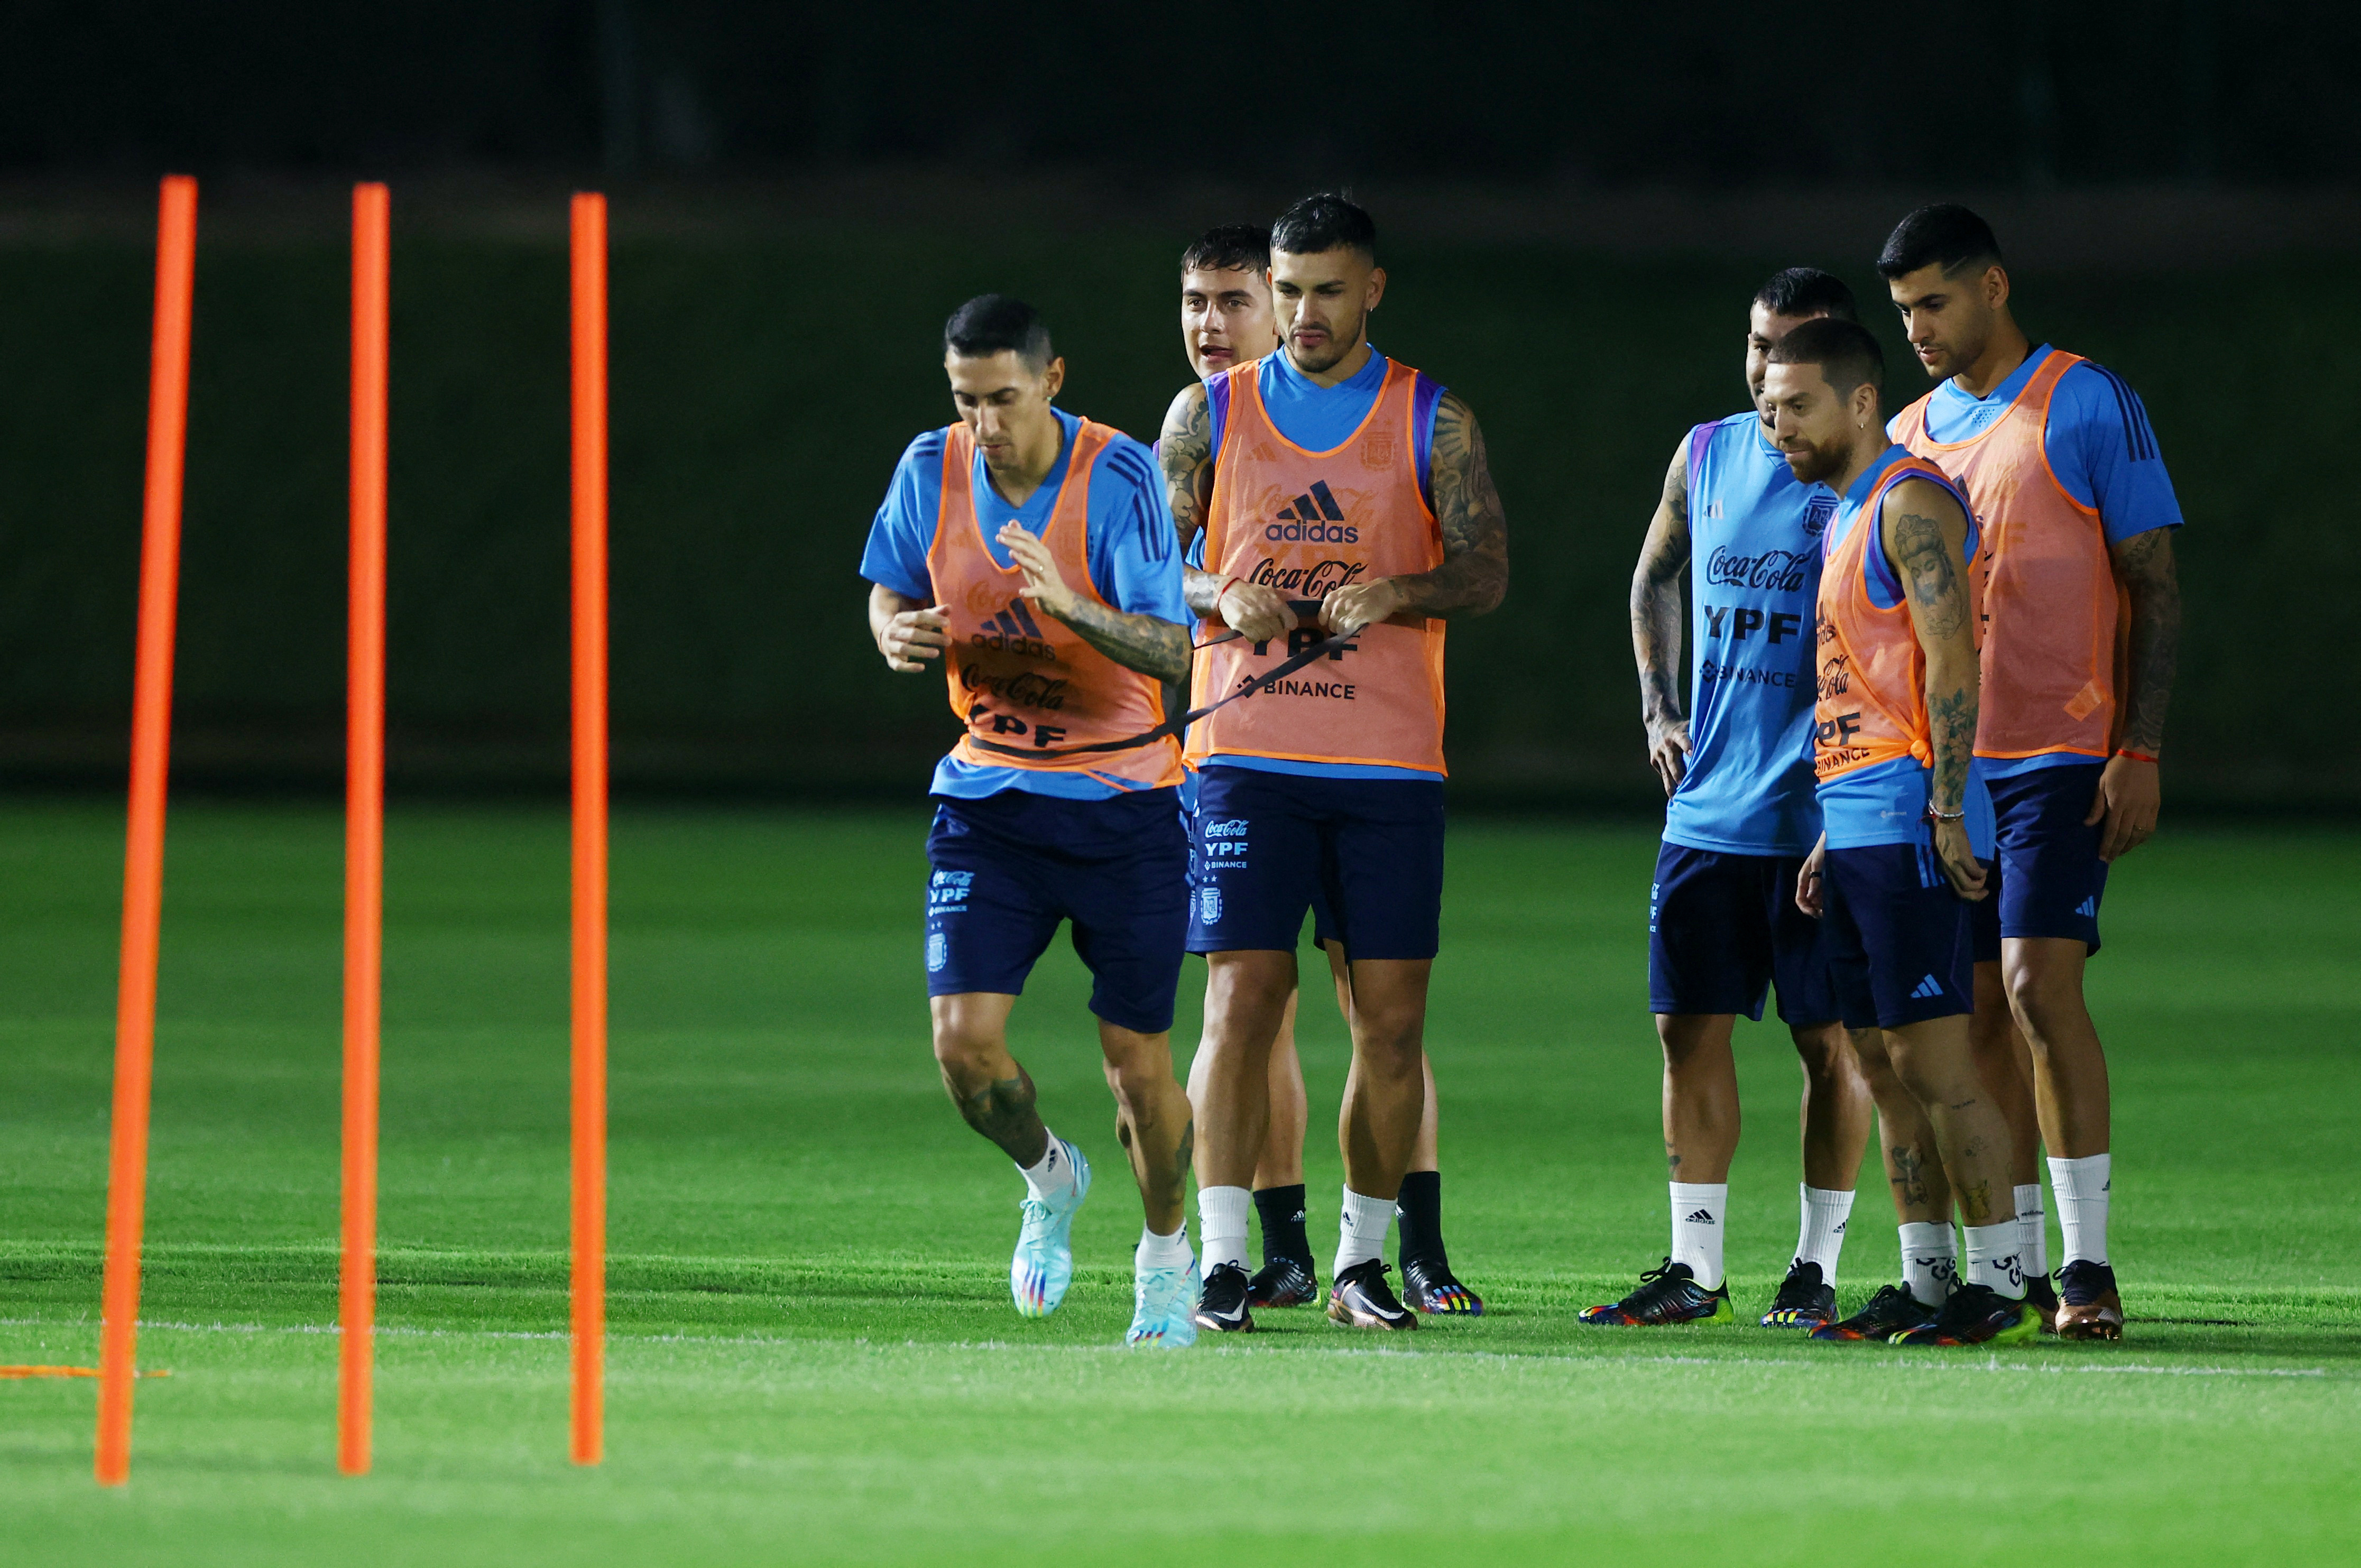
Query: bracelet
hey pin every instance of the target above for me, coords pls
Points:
(1935, 816)
(2135, 756)
(1223, 592)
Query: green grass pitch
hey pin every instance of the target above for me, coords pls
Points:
(813, 1356)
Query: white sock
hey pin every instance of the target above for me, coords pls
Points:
(1361, 1234)
(1161, 1252)
(1992, 1260)
(2081, 1186)
(1221, 1224)
(1826, 1210)
(1699, 1210)
(2032, 1245)
(1930, 1263)
(1054, 1177)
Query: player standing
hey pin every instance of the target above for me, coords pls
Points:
(1346, 502)
(1020, 507)
(2082, 610)
(1226, 321)
(1902, 820)
(1722, 921)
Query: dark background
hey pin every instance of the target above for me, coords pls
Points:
(1574, 207)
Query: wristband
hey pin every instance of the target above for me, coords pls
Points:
(2135, 756)
(1935, 816)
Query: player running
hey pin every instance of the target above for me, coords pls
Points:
(1902, 821)
(1031, 553)
(1226, 321)
(2081, 611)
(1345, 508)
(1722, 921)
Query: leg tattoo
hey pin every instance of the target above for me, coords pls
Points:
(1002, 1111)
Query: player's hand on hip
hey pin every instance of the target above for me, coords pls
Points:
(1348, 610)
(2129, 798)
(914, 636)
(1960, 863)
(1044, 584)
(1668, 750)
(1812, 881)
(1254, 611)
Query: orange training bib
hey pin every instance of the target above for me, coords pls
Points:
(2055, 620)
(1305, 524)
(1018, 678)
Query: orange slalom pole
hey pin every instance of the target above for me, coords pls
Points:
(589, 1042)
(143, 859)
(364, 826)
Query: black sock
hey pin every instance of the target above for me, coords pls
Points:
(1280, 1209)
(1419, 1212)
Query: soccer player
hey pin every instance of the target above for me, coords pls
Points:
(1030, 555)
(1902, 820)
(2081, 611)
(1226, 320)
(1339, 500)
(1722, 921)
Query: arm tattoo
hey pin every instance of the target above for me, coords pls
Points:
(1185, 451)
(2144, 564)
(1933, 582)
(1003, 1110)
(1656, 595)
(1141, 642)
(1475, 571)
(1937, 592)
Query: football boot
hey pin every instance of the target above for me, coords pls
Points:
(1428, 1285)
(1805, 1300)
(1043, 1265)
(1283, 1282)
(2088, 1307)
(1891, 1311)
(1164, 1302)
(1976, 1314)
(1666, 1295)
(1222, 1305)
(1362, 1299)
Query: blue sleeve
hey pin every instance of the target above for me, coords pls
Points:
(2102, 450)
(1135, 549)
(896, 556)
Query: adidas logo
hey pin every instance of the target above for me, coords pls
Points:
(1314, 517)
(1928, 988)
(2089, 908)
(1701, 1217)
(1840, 1225)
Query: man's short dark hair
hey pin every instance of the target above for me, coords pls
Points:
(994, 324)
(1846, 352)
(1233, 247)
(1322, 223)
(1806, 291)
(1944, 235)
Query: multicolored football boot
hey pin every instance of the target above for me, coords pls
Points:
(2088, 1307)
(1163, 1303)
(1804, 1301)
(1043, 1265)
(1429, 1286)
(1666, 1295)
(1891, 1311)
(1976, 1314)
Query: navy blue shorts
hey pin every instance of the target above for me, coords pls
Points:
(1723, 928)
(2048, 878)
(1009, 867)
(1272, 845)
(1899, 948)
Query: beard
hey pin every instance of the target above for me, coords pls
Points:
(1817, 465)
(1342, 341)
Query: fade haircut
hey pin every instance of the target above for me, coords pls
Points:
(1324, 222)
(1944, 235)
(994, 324)
(1233, 247)
(1846, 352)
(1806, 291)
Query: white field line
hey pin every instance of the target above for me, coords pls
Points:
(1909, 1364)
